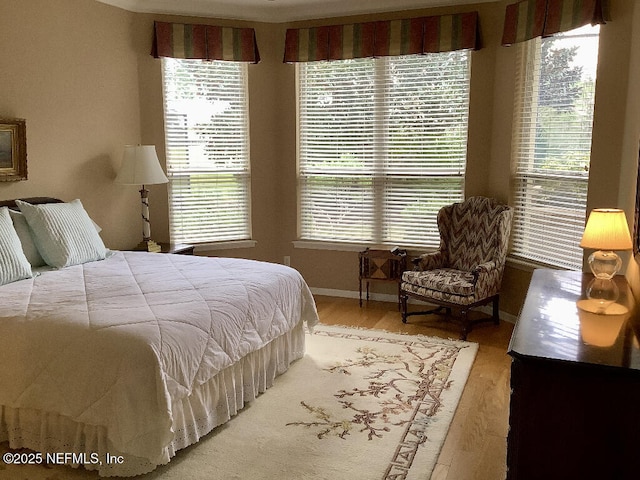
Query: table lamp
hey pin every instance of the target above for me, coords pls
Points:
(140, 166)
(607, 230)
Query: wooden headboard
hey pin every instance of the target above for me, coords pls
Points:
(34, 200)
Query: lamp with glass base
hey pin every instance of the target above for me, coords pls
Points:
(607, 230)
(140, 166)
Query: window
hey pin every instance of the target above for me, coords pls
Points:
(552, 146)
(207, 147)
(382, 147)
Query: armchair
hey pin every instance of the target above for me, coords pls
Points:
(466, 271)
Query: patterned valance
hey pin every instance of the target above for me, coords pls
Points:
(398, 37)
(440, 33)
(528, 19)
(308, 44)
(206, 42)
(446, 33)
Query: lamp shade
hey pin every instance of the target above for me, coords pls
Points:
(607, 229)
(140, 166)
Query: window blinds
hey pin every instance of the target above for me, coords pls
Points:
(382, 147)
(552, 146)
(207, 149)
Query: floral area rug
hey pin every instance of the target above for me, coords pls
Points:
(361, 404)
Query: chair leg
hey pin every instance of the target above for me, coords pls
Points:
(496, 310)
(466, 326)
(403, 302)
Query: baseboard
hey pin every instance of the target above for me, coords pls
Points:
(386, 297)
(377, 297)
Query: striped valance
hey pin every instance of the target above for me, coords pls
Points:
(446, 33)
(440, 33)
(528, 19)
(207, 42)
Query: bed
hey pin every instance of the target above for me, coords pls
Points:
(132, 354)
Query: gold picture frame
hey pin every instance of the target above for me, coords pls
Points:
(13, 150)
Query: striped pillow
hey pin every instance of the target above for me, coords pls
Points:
(13, 264)
(63, 233)
(24, 234)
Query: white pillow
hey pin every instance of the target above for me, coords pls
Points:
(26, 239)
(13, 264)
(63, 233)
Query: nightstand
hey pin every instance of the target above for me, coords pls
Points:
(178, 248)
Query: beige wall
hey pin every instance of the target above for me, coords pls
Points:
(630, 143)
(81, 74)
(70, 68)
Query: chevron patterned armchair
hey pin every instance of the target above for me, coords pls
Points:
(466, 271)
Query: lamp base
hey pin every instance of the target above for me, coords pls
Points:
(604, 264)
(149, 246)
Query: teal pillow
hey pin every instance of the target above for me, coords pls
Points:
(13, 264)
(63, 233)
(26, 239)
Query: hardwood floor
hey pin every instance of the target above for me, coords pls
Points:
(476, 444)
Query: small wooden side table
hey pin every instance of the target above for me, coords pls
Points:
(381, 265)
(178, 248)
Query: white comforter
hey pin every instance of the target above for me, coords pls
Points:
(112, 343)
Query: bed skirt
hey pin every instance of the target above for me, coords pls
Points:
(211, 404)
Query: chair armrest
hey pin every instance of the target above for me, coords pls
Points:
(485, 267)
(429, 261)
(487, 278)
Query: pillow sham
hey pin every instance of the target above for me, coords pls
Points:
(13, 264)
(26, 239)
(63, 233)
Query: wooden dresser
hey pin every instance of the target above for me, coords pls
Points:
(575, 384)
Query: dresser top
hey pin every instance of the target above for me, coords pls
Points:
(560, 322)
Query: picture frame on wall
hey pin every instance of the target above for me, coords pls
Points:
(13, 150)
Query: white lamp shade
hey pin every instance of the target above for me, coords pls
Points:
(607, 229)
(140, 166)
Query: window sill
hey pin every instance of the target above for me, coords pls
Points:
(356, 247)
(529, 265)
(230, 245)
(336, 246)
(513, 262)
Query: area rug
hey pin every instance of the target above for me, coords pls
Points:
(361, 404)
